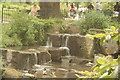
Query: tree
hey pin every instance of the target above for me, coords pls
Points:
(49, 10)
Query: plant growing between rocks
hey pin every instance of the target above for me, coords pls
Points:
(106, 67)
(93, 19)
(27, 30)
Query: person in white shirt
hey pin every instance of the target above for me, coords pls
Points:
(98, 6)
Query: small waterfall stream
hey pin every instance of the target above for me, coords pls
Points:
(36, 59)
(9, 55)
(48, 43)
(65, 45)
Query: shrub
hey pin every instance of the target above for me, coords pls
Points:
(22, 27)
(26, 30)
(94, 19)
(106, 67)
(6, 39)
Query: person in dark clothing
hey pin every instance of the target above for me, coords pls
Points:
(90, 6)
(117, 7)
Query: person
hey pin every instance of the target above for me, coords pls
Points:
(116, 11)
(98, 6)
(34, 10)
(80, 11)
(117, 7)
(72, 11)
(90, 6)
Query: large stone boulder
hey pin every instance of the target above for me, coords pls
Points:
(78, 45)
(25, 60)
(55, 39)
(97, 47)
(11, 73)
(21, 60)
(6, 56)
(57, 53)
(43, 57)
(110, 47)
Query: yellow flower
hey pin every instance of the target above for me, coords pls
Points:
(112, 28)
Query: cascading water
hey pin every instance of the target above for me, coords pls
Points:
(48, 43)
(28, 60)
(36, 59)
(9, 55)
(65, 45)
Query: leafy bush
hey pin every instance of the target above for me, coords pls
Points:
(108, 12)
(94, 19)
(109, 34)
(27, 30)
(6, 39)
(106, 67)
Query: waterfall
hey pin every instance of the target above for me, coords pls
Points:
(48, 43)
(66, 42)
(8, 57)
(36, 59)
(28, 61)
(65, 45)
(67, 49)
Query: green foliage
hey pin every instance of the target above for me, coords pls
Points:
(21, 27)
(64, 13)
(105, 68)
(108, 5)
(6, 39)
(108, 12)
(94, 19)
(27, 30)
(109, 34)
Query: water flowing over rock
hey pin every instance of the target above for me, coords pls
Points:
(6, 56)
(55, 39)
(78, 45)
(56, 54)
(24, 59)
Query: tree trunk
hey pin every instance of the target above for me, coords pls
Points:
(49, 10)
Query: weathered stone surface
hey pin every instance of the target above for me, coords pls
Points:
(43, 57)
(6, 56)
(90, 48)
(3, 53)
(98, 49)
(22, 60)
(81, 46)
(56, 39)
(11, 73)
(56, 54)
(110, 47)
(25, 60)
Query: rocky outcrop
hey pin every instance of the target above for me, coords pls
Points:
(110, 47)
(6, 56)
(22, 60)
(25, 60)
(57, 53)
(43, 57)
(81, 46)
(78, 45)
(56, 39)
